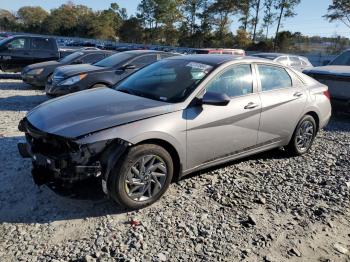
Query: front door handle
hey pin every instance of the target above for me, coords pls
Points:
(251, 105)
(298, 94)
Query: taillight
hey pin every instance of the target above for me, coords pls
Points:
(327, 94)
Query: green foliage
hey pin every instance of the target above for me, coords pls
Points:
(32, 18)
(7, 20)
(192, 23)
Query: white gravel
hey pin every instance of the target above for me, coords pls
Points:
(265, 208)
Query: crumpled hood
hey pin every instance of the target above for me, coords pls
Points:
(92, 110)
(71, 70)
(330, 70)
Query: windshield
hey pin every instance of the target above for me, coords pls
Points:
(167, 80)
(5, 40)
(343, 59)
(114, 60)
(71, 57)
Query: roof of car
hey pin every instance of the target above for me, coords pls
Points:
(216, 60)
(275, 55)
(270, 54)
(141, 52)
(97, 51)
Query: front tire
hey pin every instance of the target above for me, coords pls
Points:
(141, 177)
(303, 136)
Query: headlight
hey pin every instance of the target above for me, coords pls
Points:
(72, 80)
(35, 71)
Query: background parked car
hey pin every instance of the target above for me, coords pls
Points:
(297, 62)
(38, 74)
(19, 51)
(336, 75)
(107, 72)
(218, 51)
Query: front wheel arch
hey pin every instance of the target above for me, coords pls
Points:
(100, 84)
(171, 150)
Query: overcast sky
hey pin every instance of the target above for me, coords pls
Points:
(309, 20)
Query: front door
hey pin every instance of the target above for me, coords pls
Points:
(216, 132)
(18, 53)
(283, 100)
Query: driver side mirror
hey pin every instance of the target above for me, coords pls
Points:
(127, 67)
(77, 62)
(215, 99)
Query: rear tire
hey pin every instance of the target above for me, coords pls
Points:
(141, 177)
(303, 136)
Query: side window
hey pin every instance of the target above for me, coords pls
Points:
(41, 43)
(283, 60)
(162, 56)
(304, 62)
(235, 81)
(273, 77)
(18, 43)
(144, 60)
(92, 58)
(294, 61)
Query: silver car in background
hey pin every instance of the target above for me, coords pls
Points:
(336, 75)
(172, 118)
(299, 63)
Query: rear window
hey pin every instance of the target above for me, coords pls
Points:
(41, 43)
(273, 77)
(114, 60)
(71, 57)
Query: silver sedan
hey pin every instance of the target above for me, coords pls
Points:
(171, 118)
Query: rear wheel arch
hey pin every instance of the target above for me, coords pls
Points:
(315, 117)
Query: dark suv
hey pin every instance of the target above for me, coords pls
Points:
(19, 51)
(38, 74)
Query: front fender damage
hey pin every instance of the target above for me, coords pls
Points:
(64, 161)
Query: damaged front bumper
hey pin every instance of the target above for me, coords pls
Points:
(63, 161)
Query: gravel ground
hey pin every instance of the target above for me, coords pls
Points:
(264, 208)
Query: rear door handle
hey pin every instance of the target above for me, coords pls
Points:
(251, 105)
(298, 94)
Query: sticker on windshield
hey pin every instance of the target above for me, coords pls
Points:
(196, 65)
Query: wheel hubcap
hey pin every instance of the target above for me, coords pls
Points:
(305, 135)
(146, 178)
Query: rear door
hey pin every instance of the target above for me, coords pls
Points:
(218, 132)
(283, 98)
(43, 49)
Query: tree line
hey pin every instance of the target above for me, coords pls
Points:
(191, 23)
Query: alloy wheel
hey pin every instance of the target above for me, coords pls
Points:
(305, 135)
(146, 178)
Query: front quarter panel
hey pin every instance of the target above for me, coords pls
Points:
(170, 128)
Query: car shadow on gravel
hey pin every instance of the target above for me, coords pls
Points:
(16, 85)
(21, 103)
(21, 201)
